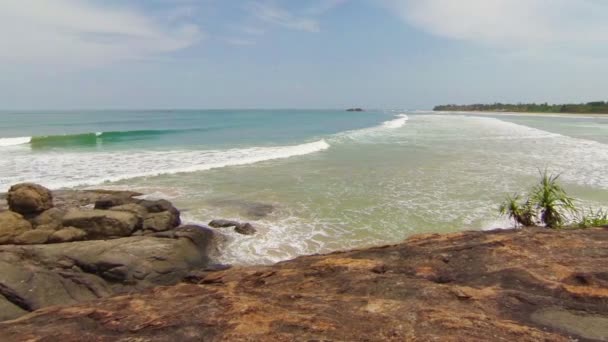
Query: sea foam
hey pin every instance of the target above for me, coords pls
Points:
(68, 169)
(15, 141)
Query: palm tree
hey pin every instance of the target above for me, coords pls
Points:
(551, 200)
(522, 213)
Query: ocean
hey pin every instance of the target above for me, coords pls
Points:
(311, 181)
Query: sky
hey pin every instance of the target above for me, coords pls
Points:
(413, 54)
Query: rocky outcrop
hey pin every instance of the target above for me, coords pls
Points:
(519, 285)
(244, 228)
(71, 252)
(101, 223)
(28, 198)
(37, 276)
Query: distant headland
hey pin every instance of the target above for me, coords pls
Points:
(598, 107)
(355, 110)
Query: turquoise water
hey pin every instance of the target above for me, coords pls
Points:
(333, 179)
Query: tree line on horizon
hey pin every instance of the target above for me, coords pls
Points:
(597, 107)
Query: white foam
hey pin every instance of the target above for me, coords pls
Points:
(14, 141)
(61, 169)
(97, 134)
(396, 123)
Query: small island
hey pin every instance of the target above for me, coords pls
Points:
(598, 107)
(355, 110)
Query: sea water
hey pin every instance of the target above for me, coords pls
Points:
(311, 181)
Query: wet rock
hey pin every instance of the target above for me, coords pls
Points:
(112, 201)
(245, 229)
(12, 225)
(223, 223)
(67, 235)
(101, 223)
(29, 198)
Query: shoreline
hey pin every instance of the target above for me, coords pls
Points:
(557, 115)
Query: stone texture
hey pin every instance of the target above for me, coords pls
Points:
(159, 222)
(223, 223)
(37, 276)
(34, 236)
(138, 210)
(29, 198)
(51, 218)
(521, 285)
(101, 223)
(245, 229)
(67, 235)
(12, 225)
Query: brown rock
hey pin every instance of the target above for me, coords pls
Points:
(33, 237)
(101, 223)
(29, 198)
(139, 211)
(50, 219)
(518, 285)
(67, 235)
(223, 223)
(245, 229)
(160, 206)
(12, 225)
(159, 222)
(37, 276)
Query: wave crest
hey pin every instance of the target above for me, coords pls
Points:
(99, 167)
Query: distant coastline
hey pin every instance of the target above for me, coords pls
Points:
(598, 107)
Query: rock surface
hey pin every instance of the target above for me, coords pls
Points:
(101, 223)
(245, 229)
(11, 226)
(36, 276)
(527, 285)
(29, 198)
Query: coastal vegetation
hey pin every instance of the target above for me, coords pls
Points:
(549, 205)
(597, 107)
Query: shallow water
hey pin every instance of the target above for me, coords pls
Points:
(318, 181)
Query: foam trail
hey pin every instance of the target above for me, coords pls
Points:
(86, 168)
(15, 141)
(396, 123)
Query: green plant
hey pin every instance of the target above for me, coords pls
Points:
(551, 201)
(522, 213)
(593, 218)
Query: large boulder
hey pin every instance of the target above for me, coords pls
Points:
(36, 276)
(12, 225)
(101, 223)
(29, 198)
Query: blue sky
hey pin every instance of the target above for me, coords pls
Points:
(413, 54)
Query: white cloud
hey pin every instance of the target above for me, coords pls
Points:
(275, 15)
(79, 32)
(508, 22)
